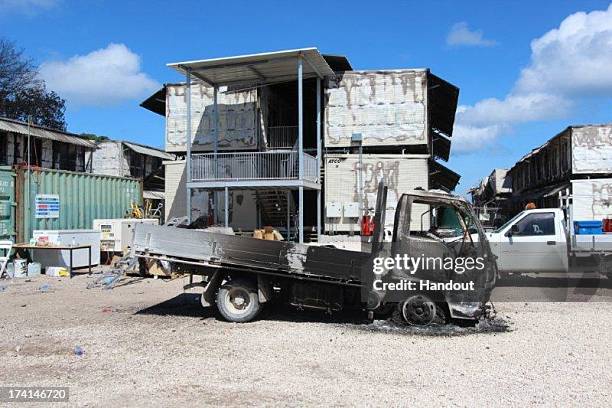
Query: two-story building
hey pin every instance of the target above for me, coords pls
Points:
(299, 140)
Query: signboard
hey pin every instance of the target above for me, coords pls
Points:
(47, 205)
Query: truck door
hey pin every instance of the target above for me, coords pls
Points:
(533, 244)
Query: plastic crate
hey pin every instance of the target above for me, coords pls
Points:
(588, 227)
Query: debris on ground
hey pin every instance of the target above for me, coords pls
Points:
(495, 325)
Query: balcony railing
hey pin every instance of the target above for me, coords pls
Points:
(252, 166)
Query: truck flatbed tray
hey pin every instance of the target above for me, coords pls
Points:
(197, 247)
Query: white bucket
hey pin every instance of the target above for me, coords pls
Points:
(21, 268)
(34, 269)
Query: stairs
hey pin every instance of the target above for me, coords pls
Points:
(273, 205)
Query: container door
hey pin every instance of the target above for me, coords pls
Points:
(7, 205)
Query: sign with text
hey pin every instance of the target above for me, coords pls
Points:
(47, 205)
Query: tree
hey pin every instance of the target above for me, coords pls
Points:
(23, 93)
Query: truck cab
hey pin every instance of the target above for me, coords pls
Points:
(533, 241)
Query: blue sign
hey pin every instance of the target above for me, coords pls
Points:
(47, 206)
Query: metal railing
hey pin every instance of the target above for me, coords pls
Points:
(282, 137)
(251, 166)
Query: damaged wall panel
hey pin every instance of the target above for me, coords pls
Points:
(402, 173)
(592, 149)
(237, 118)
(592, 199)
(387, 107)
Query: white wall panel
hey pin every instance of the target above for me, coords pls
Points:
(387, 107)
(237, 118)
(592, 149)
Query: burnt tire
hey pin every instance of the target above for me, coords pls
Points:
(432, 313)
(237, 301)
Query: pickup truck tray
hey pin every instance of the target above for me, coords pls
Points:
(197, 247)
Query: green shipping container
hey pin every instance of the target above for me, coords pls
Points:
(7, 204)
(60, 200)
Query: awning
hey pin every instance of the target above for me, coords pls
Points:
(21, 128)
(442, 101)
(157, 102)
(149, 151)
(441, 146)
(554, 191)
(268, 67)
(153, 195)
(441, 177)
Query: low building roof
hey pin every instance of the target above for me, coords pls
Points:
(15, 126)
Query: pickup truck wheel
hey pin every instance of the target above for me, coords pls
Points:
(237, 301)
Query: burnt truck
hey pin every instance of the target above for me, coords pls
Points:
(240, 275)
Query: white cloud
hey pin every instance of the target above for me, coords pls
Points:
(468, 138)
(568, 63)
(574, 59)
(102, 77)
(461, 35)
(29, 7)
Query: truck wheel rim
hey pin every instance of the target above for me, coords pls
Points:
(419, 310)
(238, 299)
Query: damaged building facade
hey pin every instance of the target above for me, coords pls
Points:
(577, 161)
(49, 148)
(129, 159)
(299, 140)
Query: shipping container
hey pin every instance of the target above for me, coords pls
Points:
(7, 204)
(60, 200)
(388, 108)
(401, 173)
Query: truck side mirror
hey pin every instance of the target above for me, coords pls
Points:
(514, 229)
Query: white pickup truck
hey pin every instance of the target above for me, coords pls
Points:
(542, 241)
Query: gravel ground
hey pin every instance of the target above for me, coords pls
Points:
(148, 343)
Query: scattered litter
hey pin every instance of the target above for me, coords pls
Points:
(44, 288)
(2, 288)
(79, 351)
(107, 309)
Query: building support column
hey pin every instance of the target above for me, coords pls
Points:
(215, 132)
(188, 143)
(300, 68)
(288, 214)
(226, 202)
(301, 215)
(319, 158)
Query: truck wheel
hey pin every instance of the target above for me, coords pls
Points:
(237, 301)
(418, 310)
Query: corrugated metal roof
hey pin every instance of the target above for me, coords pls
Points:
(256, 68)
(21, 128)
(149, 151)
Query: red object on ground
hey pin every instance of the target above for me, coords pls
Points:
(367, 226)
(607, 225)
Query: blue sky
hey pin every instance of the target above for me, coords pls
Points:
(482, 47)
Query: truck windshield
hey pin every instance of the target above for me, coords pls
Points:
(441, 221)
